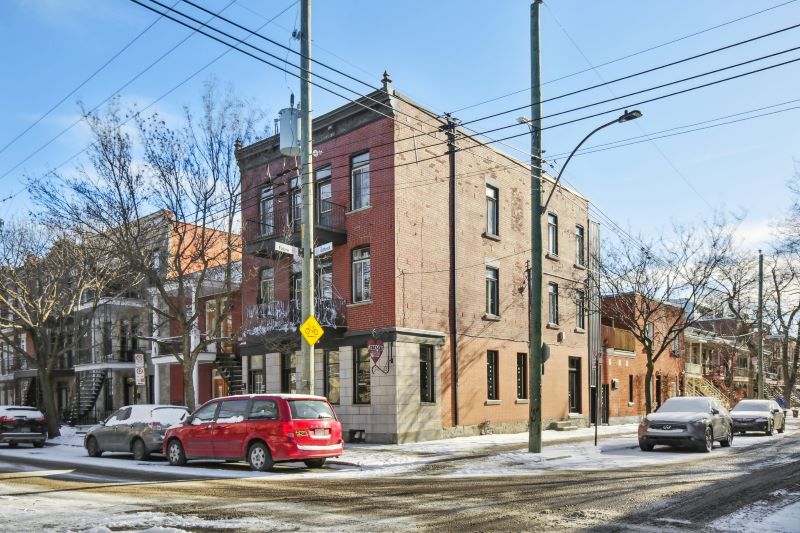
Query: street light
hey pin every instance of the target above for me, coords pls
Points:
(625, 117)
(535, 285)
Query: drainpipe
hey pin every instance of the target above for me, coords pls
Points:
(450, 129)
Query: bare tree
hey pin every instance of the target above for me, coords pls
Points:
(654, 291)
(187, 181)
(782, 311)
(45, 276)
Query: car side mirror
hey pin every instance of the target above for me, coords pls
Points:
(188, 419)
(776, 411)
(714, 411)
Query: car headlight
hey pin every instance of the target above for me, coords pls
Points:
(698, 422)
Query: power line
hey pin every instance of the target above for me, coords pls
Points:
(84, 82)
(628, 56)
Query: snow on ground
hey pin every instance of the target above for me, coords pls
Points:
(780, 513)
(501, 454)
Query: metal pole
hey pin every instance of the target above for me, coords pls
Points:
(450, 129)
(307, 228)
(760, 325)
(535, 414)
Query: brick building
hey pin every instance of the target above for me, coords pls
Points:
(384, 293)
(625, 364)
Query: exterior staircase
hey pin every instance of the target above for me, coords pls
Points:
(230, 368)
(27, 392)
(773, 391)
(703, 387)
(89, 384)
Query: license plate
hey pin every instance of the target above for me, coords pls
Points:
(321, 432)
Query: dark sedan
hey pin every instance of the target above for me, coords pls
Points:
(136, 429)
(692, 421)
(22, 424)
(758, 415)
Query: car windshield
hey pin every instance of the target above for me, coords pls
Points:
(752, 405)
(310, 409)
(684, 405)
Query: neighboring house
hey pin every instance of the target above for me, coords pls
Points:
(625, 366)
(18, 384)
(718, 352)
(389, 286)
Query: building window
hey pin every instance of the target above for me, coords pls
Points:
(359, 184)
(580, 310)
(324, 194)
(552, 292)
(492, 292)
(362, 275)
(676, 343)
(630, 388)
(255, 375)
(267, 285)
(648, 330)
(580, 248)
(331, 368)
(288, 373)
(522, 376)
(267, 211)
(426, 382)
(552, 234)
(296, 286)
(492, 210)
(361, 362)
(492, 386)
(297, 209)
(324, 267)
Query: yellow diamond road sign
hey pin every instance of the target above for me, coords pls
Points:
(311, 330)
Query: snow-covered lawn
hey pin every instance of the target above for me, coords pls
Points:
(499, 455)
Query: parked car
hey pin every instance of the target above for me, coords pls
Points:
(690, 421)
(22, 424)
(136, 429)
(758, 415)
(262, 429)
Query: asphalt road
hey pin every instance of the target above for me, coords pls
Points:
(675, 496)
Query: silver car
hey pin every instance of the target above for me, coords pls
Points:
(691, 421)
(758, 415)
(136, 429)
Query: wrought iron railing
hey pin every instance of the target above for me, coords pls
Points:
(284, 219)
(285, 315)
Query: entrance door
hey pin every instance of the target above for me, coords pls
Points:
(574, 385)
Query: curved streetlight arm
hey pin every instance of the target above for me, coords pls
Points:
(629, 115)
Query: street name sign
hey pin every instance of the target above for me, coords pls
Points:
(323, 249)
(287, 248)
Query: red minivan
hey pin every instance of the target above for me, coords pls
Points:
(263, 429)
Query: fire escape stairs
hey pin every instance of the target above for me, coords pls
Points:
(88, 390)
(230, 368)
(704, 387)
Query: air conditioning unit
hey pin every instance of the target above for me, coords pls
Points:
(561, 336)
(614, 383)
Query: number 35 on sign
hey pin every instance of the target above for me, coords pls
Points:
(311, 330)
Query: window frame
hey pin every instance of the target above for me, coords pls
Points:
(630, 388)
(360, 195)
(580, 309)
(492, 291)
(359, 274)
(580, 245)
(326, 380)
(552, 299)
(492, 211)
(360, 359)
(522, 376)
(492, 375)
(552, 234)
(427, 374)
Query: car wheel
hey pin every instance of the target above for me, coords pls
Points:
(175, 454)
(38, 444)
(783, 427)
(708, 441)
(139, 450)
(13, 444)
(259, 457)
(93, 448)
(769, 429)
(314, 463)
(727, 442)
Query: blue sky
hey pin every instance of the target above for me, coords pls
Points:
(448, 55)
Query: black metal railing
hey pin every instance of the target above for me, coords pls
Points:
(284, 220)
(285, 315)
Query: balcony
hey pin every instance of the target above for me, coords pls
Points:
(620, 340)
(284, 226)
(693, 369)
(741, 373)
(285, 316)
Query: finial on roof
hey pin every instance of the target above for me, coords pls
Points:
(387, 82)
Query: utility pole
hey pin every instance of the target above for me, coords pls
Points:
(450, 129)
(535, 415)
(760, 325)
(307, 227)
